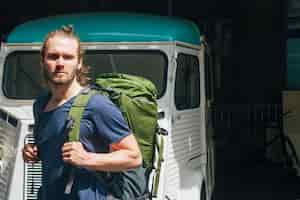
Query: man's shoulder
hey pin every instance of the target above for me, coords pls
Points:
(99, 99)
(40, 101)
(100, 103)
(43, 97)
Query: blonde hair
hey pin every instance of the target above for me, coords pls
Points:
(68, 31)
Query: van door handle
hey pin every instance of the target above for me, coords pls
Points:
(161, 114)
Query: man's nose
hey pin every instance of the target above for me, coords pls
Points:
(59, 63)
(60, 60)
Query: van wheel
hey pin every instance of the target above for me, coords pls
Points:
(203, 192)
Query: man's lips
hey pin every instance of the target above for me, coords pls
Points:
(59, 73)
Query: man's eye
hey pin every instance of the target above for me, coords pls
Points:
(52, 56)
(68, 57)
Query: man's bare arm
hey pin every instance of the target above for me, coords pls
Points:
(125, 155)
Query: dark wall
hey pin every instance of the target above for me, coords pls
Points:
(259, 46)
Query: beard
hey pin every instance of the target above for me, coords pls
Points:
(58, 79)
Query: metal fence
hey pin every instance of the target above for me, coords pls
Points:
(249, 116)
(245, 130)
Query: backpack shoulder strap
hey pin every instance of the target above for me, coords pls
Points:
(76, 112)
(74, 118)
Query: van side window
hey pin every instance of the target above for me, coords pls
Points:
(22, 75)
(187, 83)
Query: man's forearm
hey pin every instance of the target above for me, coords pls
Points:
(114, 161)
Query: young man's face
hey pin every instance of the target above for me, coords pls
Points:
(61, 60)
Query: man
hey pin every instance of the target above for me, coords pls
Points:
(106, 143)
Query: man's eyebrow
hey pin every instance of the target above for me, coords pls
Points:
(60, 54)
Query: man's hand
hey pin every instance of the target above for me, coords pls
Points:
(30, 153)
(74, 153)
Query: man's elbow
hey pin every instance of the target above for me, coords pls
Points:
(137, 160)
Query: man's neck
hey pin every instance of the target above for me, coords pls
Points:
(61, 92)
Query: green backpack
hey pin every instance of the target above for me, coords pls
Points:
(136, 98)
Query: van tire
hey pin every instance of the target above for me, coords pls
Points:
(203, 192)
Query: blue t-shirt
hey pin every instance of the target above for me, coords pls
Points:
(102, 124)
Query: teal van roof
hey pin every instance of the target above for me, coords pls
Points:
(110, 27)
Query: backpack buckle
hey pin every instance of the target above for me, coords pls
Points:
(162, 131)
(85, 90)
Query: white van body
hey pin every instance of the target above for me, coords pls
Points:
(187, 171)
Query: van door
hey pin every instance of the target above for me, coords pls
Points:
(186, 149)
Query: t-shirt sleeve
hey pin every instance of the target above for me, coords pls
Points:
(108, 119)
(34, 109)
(37, 109)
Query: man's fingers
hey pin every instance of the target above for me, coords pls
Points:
(30, 152)
(30, 155)
(66, 154)
(27, 154)
(67, 150)
(35, 149)
(73, 153)
(69, 146)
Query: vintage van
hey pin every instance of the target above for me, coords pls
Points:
(166, 50)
